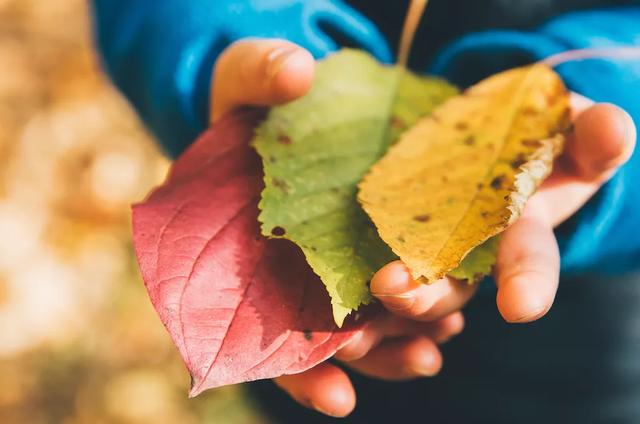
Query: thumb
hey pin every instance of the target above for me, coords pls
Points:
(260, 72)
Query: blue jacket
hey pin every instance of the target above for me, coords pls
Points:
(161, 54)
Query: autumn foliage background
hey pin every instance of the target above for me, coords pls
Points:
(79, 340)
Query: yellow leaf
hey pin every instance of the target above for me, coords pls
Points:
(463, 174)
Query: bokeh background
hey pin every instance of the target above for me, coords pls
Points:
(79, 340)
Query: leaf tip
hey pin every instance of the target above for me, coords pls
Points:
(340, 314)
(195, 388)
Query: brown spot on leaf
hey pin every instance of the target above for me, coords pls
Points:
(529, 111)
(557, 95)
(422, 218)
(485, 214)
(281, 184)
(278, 232)
(497, 182)
(571, 128)
(401, 239)
(462, 126)
(284, 139)
(518, 161)
(470, 141)
(536, 144)
(397, 123)
(565, 125)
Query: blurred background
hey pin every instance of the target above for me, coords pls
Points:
(79, 340)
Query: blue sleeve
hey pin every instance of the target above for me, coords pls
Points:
(604, 237)
(161, 53)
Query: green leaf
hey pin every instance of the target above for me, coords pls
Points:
(316, 150)
(478, 263)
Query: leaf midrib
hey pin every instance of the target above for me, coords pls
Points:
(512, 119)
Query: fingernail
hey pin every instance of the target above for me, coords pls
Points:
(630, 133)
(393, 279)
(323, 411)
(426, 366)
(355, 349)
(398, 302)
(448, 337)
(278, 58)
(534, 315)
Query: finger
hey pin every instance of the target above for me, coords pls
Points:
(528, 268)
(325, 388)
(260, 72)
(394, 286)
(439, 331)
(361, 343)
(603, 139)
(401, 359)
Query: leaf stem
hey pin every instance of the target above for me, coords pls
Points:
(414, 15)
(592, 53)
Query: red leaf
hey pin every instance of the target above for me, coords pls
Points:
(239, 307)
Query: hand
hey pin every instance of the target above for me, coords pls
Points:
(271, 72)
(391, 348)
(528, 266)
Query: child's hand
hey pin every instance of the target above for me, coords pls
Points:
(527, 271)
(402, 343)
(528, 267)
(391, 348)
